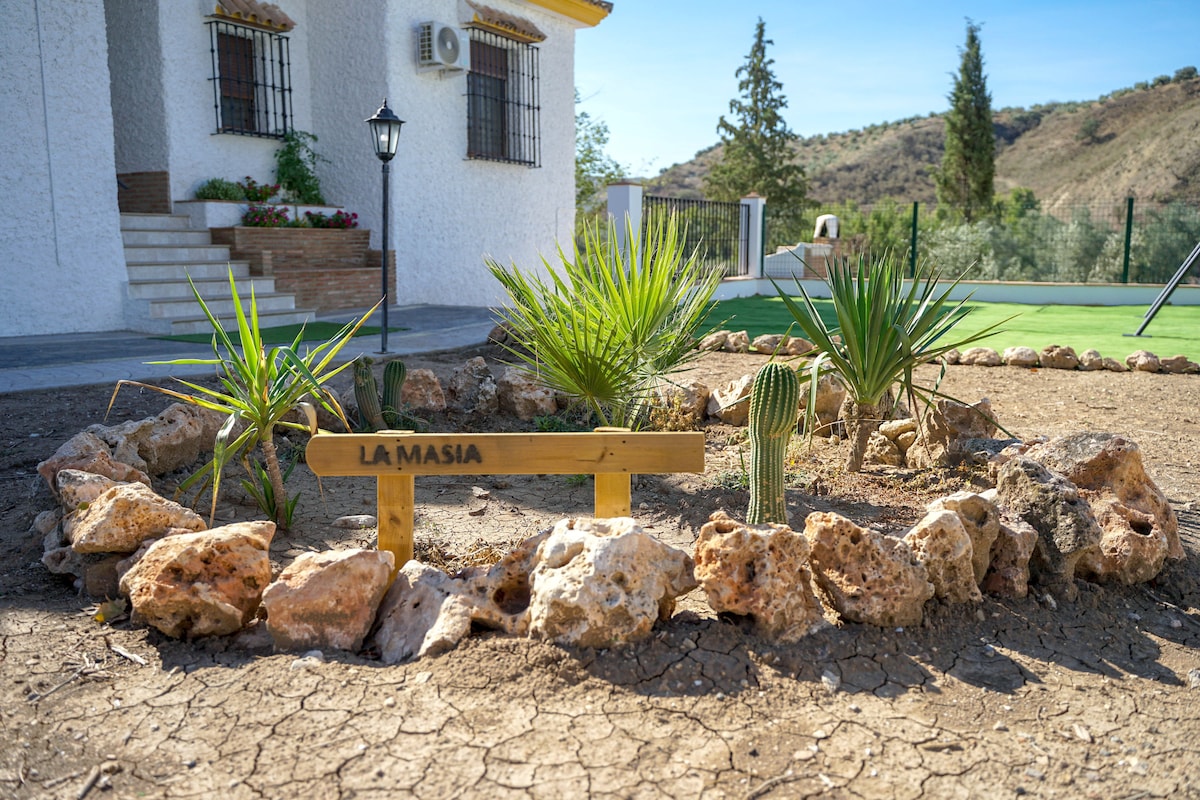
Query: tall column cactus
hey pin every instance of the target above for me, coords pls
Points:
(394, 375)
(370, 415)
(774, 406)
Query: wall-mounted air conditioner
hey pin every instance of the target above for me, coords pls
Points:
(443, 47)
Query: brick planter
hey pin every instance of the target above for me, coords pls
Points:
(325, 269)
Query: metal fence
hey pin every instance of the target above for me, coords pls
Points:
(718, 232)
(1119, 241)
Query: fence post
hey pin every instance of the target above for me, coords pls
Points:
(912, 244)
(1128, 239)
(753, 236)
(625, 204)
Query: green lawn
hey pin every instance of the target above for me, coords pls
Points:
(1175, 329)
(285, 334)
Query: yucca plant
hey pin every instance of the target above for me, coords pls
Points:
(884, 331)
(609, 325)
(259, 388)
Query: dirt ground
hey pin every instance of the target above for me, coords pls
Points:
(1094, 699)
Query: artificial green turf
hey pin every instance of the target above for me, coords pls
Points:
(1175, 330)
(285, 334)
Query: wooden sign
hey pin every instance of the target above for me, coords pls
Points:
(612, 455)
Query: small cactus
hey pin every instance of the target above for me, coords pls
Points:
(371, 415)
(394, 374)
(774, 405)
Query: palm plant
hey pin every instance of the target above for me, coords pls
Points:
(258, 389)
(612, 323)
(884, 330)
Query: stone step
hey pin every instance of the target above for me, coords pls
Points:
(179, 271)
(266, 319)
(210, 287)
(141, 254)
(161, 237)
(157, 221)
(181, 307)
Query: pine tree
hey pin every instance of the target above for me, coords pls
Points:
(965, 180)
(758, 147)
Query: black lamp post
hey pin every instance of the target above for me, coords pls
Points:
(385, 131)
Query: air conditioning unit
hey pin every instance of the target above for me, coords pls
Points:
(443, 47)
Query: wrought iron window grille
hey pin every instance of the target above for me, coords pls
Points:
(503, 104)
(251, 80)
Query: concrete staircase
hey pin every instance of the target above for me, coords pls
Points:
(162, 251)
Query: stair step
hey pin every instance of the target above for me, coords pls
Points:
(159, 237)
(158, 221)
(176, 307)
(266, 319)
(211, 287)
(139, 254)
(172, 270)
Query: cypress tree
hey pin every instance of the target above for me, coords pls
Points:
(965, 180)
(758, 146)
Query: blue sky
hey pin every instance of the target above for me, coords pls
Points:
(660, 73)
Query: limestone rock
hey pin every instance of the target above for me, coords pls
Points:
(1112, 365)
(981, 520)
(864, 575)
(905, 441)
(1142, 361)
(1132, 547)
(1064, 522)
(202, 584)
(946, 428)
(731, 402)
(1008, 572)
(796, 346)
(598, 582)
(940, 542)
(882, 450)
(831, 393)
(422, 391)
(124, 516)
(761, 572)
(76, 488)
(980, 357)
(424, 613)
(522, 395)
(737, 342)
(1178, 365)
(1059, 357)
(685, 404)
(951, 357)
(328, 599)
(174, 439)
(1090, 360)
(1101, 463)
(769, 343)
(714, 341)
(895, 428)
(1021, 357)
(472, 388)
(87, 452)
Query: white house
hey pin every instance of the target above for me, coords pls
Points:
(165, 94)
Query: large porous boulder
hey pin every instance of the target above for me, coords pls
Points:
(87, 452)
(1178, 365)
(207, 583)
(1020, 357)
(124, 516)
(980, 519)
(1056, 356)
(940, 542)
(769, 343)
(760, 572)
(472, 388)
(713, 341)
(174, 439)
(980, 357)
(731, 403)
(946, 432)
(424, 613)
(1052, 505)
(1101, 463)
(683, 406)
(1132, 547)
(882, 450)
(1142, 361)
(423, 391)
(1090, 360)
(524, 396)
(796, 346)
(327, 599)
(831, 393)
(599, 582)
(1008, 572)
(77, 489)
(865, 575)
(737, 342)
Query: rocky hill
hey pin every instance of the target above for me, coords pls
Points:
(1142, 142)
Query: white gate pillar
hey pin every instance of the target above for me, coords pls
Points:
(625, 203)
(755, 246)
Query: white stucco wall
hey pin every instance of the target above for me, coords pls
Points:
(135, 61)
(62, 267)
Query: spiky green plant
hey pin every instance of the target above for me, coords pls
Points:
(774, 408)
(372, 415)
(884, 330)
(610, 323)
(259, 388)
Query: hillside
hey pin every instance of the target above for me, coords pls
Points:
(1143, 142)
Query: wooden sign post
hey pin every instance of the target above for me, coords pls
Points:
(612, 455)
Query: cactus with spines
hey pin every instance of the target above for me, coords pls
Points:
(370, 413)
(774, 406)
(394, 374)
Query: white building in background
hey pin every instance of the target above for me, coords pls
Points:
(165, 94)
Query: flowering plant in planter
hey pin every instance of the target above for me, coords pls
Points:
(257, 192)
(340, 220)
(264, 216)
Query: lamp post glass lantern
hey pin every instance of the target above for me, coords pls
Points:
(385, 132)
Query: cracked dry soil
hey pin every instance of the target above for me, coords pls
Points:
(1095, 699)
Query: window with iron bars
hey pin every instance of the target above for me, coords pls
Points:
(502, 100)
(251, 80)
